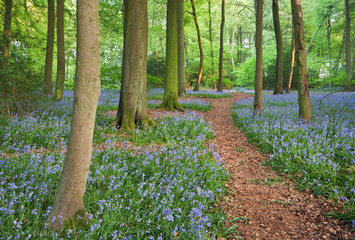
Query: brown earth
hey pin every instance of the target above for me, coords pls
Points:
(266, 204)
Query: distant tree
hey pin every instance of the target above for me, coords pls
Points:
(305, 112)
(258, 98)
(279, 46)
(68, 203)
(220, 76)
(133, 107)
(49, 49)
(214, 86)
(347, 45)
(4, 65)
(170, 100)
(197, 85)
(59, 85)
(181, 48)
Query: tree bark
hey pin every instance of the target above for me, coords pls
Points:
(347, 46)
(279, 46)
(220, 74)
(59, 85)
(329, 31)
(49, 49)
(181, 50)
(197, 85)
(133, 107)
(214, 86)
(258, 98)
(68, 203)
(305, 113)
(170, 100)
(4, 74)
(292, 60)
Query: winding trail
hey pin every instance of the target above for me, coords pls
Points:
(267, 204)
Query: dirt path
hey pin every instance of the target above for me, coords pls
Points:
(272, 208)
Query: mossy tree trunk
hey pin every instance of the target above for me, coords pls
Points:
(59, 85)
(68, 202)
(133, 108)
(279, 46)
(199, 78)
(181, 48)
(220, 74)
(4, 65)
(347, 45)
(170, 100)
(258, 98)
(49, 49)
(302, 79)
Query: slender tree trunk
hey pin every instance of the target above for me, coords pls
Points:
(329, 31)
(49, 49)
(220, 74)
(230, 41)
(181, 51)
(68, 203)
(197, 86)
(292, 60)
(170, 100)
(314, 36)
(214, 86)
(279, 46)
(302, 79)
(4, 73)
(133, 107)
(59, 85)
(258, 98)
(240, 49)
(336, 64)
(348, 46)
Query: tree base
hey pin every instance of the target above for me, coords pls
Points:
(128, 123)
(171, 104)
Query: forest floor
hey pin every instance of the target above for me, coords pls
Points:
(266, 203)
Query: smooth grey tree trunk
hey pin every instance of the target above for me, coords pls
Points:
(133, 107)
(68, 203)
(59, 85)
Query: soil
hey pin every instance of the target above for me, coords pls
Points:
(265, 203)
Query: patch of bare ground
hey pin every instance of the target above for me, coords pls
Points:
(269, 204)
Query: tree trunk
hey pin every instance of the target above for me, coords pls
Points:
(240, 49)
(170, 100)
(292, 60)
(59, 85)
(68, 203)
(4, 74)
(258, 98)
(49, 49)
(302, 79)
(220, 74)
(314, 36)
(181, 51)
(348, 46)
(329, 31)
(214, 86)
(197, 86)
(336, 64)
(133, 107)
(279, 46)
(230, 41)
